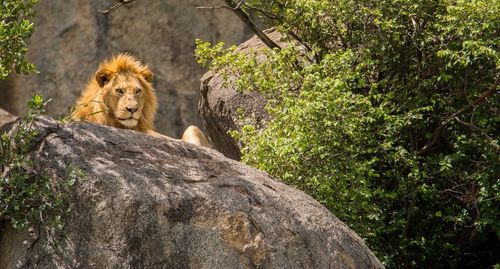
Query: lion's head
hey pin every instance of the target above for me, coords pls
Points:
(120, 95)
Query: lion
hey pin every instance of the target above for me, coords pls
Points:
(121, 95)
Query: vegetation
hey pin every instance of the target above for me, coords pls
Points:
(15, 28)
(28, 197)
(386, 112)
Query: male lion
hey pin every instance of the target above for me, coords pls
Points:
(121, 95)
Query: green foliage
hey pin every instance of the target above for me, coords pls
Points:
(28, 197)
(15, 28)
(357, 99)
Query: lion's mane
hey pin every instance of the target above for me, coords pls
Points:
(92, 106)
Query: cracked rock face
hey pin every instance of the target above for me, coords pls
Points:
(144, 202)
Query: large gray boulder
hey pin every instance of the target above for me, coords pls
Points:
(71, 37)
(221, 105)
(144, 202)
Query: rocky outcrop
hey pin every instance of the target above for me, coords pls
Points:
(144, 202)
(5, 117)
(72, 37)
(220, 105)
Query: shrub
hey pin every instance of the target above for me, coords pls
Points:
(390, 119)
(28, 196)
(15, 28)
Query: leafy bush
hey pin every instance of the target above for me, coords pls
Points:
(28, 197)
(15, 28)
(387, 113)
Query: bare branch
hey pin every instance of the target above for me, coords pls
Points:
(437, 132)
(116, 6)
(253, 26)
(291, 33)
(239, 4)
(263, 12)
(214, 7)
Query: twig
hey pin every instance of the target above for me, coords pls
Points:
(214, 7)
(489, 199)
(262, 11)
(316, 56)
(437, 132)
(481, 131)
(291, 33)
(116, 6)
(239, 4)
(250, 23)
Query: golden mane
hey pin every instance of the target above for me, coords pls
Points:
(92, 106)
(121, 95)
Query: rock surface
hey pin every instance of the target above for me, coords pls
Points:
(5, 117)
(144, 202)
(71, 37)
(220, 104)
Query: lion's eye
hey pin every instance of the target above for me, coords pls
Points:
(138, 91)
(119, 91)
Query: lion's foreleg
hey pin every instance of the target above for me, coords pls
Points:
(192, 135)
(195, 136)
(155, 134)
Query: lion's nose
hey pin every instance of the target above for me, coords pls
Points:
(132, 109)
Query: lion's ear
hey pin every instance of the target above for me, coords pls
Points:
(102, 76)
(148, 75)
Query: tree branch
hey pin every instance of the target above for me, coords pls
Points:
(239, 4)
(437, 132)
(116, 6)
(237, 8)
(481, 131)
(263, 12)
(214, 7)
(291, 33)
(250, 23)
